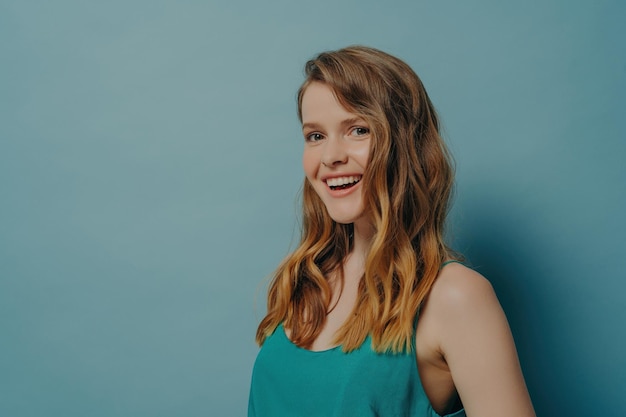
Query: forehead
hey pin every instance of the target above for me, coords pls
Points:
(319, 103)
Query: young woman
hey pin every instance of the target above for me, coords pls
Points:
(372, 315)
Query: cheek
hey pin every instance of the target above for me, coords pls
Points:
(362, 154)
(309, 164)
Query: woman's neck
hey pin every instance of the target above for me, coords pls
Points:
(363, 231)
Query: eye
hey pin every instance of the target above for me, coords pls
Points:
(313, 137)
(360, 131)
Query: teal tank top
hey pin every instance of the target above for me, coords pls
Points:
(289, 381)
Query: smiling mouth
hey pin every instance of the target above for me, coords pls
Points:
(341, 183)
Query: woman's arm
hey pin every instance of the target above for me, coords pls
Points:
(476, 342)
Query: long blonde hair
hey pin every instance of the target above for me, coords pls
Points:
(407, 186)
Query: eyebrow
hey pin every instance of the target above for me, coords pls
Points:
(313, 126)
(344, 123)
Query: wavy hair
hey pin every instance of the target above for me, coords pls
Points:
(406, 188)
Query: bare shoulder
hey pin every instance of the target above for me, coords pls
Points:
(473, 336)
(459, 299)
(462, 302)
(459, 291)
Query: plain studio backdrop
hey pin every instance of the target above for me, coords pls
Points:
(150, 171)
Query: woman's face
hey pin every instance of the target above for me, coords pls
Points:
(336, 150)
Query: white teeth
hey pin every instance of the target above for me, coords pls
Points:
(339, 181)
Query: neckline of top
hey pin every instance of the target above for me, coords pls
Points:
(315, 352)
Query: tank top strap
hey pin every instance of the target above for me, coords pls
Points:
(449, 262)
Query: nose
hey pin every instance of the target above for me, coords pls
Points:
(334, 152)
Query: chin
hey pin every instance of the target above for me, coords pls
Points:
(345, 218)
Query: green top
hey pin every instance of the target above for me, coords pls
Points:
(289, 381)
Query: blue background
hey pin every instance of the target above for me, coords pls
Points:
(150, 167)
